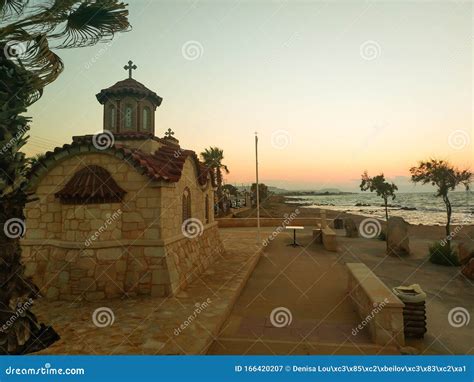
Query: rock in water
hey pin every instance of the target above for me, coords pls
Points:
(397, 237)
(351, 228)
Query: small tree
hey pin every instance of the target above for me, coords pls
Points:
(262, 191)
(232, 190)
(378, 184)
(213, 157)
(446, 178)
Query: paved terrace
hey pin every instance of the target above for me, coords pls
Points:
(310, 283)
(185, 324)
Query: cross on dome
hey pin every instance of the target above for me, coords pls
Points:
(131, 66)
(169, 133)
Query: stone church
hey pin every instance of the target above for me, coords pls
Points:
(121, 212)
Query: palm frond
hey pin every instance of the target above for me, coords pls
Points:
(10, 8)
(92, 22)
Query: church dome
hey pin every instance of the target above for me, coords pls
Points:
(130, 87)
(129, 106)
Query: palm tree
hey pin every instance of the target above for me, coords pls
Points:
(28, 33)
(213, 157)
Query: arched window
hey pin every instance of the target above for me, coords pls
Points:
(186, 204)
(146, 118)
(206, 211)
(112, 113)
(128, 116)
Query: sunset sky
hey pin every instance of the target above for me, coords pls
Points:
(332, 88)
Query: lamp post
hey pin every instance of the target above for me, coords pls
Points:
(257, 192)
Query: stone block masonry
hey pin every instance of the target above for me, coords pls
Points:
(107, 270)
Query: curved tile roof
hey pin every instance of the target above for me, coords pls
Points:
(91, 184)
(165, 164)
(128, 86)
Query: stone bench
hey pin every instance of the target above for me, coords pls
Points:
(329, 239)
(317, 237)
(378, 307)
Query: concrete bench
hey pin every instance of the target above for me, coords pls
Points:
(317, 237)
(377, 306)
(329, 239)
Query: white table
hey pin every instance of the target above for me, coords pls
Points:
(294, 228)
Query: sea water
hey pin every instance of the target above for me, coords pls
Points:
(415, 208)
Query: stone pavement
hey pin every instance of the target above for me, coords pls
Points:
(185, 324)
(305, 288)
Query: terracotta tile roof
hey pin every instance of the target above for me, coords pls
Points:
(128, 86)
(165, 164)
(91, 184)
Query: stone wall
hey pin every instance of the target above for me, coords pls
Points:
(172, 201)
(266, 222)
(98, 251)
(95, 273)
(110, 270)
(187, 258)
(378, 307)
(140, 213)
